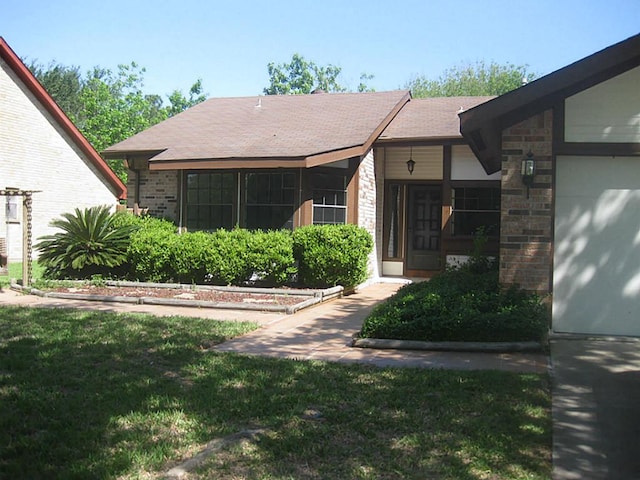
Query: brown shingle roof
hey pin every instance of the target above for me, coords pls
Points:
(268, 127)
(430, 118)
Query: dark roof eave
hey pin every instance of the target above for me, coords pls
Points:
(421, 139)
(482, 125)
(127, 154)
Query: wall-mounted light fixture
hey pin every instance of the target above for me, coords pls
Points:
(528, 170)
(411, 164)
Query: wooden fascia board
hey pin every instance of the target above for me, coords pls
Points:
(244, 163)
(386, 121)
(227, 163)
(335, 156)
(489, 119)
(420, 141)
(359, 150)
(124, 155)
(542, 93)
(30, 81)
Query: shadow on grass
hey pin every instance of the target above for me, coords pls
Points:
(95, 395)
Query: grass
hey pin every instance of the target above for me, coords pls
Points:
(97, 395)
(15, 271)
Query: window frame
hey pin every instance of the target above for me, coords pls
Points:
(335, 207)
(489, 185)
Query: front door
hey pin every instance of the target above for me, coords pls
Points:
(424, 222)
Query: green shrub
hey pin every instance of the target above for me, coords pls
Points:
(330, 255)
(270, 256)
(91, 243)
(149, 255)
(189, 256)
(465, 304)
(227, 261)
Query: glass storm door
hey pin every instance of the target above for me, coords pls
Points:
(424, 222)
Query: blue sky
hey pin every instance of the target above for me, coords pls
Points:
(228, 44)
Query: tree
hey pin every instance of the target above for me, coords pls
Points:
(63, 83)
(362, 86)
(301, 76)
(473, 80)
(179, 103)
(108, 107)
(115, 108)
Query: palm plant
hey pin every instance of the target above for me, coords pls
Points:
(90, 243)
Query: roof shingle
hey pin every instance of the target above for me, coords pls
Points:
(279, 126)
(430, 118)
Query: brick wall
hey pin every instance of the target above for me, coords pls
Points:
(527, 223)
(158, 192)
(367, 206)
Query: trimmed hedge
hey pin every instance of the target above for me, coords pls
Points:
(327, 255)
(465, 304)
(149, 255)
(330, 255)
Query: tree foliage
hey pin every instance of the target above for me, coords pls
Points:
(471, 80)
(107, 106)
(63, 83)
(301, 76)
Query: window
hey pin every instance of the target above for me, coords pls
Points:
(210, 200)
(393, 220)
(475, 208)
(270, 200)
(329, 199)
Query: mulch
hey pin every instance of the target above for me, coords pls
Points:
(218, 296)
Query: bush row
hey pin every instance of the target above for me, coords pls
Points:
(464, 304)
(322, 256)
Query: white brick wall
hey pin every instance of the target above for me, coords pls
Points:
(36, 154)
(367, 196)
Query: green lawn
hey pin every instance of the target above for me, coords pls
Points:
(15, 271)
(96, 395)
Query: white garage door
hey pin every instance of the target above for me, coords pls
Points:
(596, 275)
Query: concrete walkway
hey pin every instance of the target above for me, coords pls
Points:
(324, 332)
(596, 408)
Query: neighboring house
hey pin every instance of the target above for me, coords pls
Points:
(42, 151)
(286, 161)
(576, 233)
(275, 162)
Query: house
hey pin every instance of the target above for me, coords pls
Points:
(41, 151)
(574, 232)
(275, 162)
(423, 175)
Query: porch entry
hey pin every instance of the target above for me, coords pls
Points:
(424, 227)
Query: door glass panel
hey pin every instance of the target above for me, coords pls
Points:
(424, 222)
